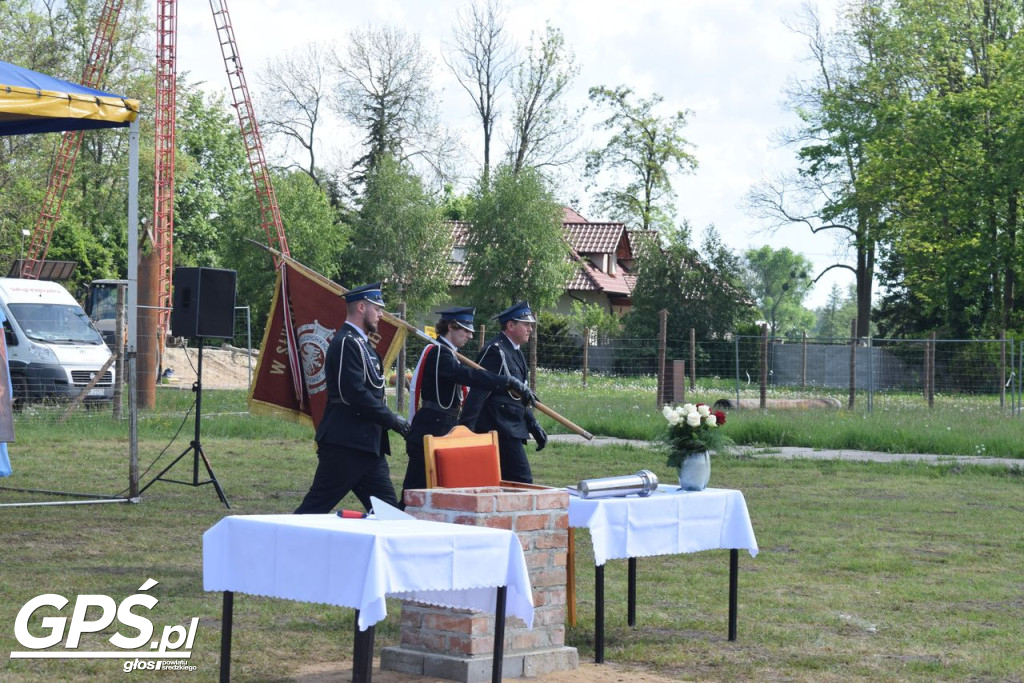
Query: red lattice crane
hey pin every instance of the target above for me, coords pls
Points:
(67, 154)
(162, 234)
(163, 194)
(163, 154)
(270, 215)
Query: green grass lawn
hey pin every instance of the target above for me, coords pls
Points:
(866, 571)
(899, 422)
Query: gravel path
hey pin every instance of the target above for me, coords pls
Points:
(816, 453)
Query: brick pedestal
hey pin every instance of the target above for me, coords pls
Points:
(458, 644)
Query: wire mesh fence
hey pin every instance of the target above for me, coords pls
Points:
(606, 386)
(868, 374)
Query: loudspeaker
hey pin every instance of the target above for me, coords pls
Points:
(204, 303)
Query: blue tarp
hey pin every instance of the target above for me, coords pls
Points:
(31, 102)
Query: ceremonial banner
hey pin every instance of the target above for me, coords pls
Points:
(307, 310)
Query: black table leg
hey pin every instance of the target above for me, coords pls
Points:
(631, 593)
(734, 570)
(226, 613)
(599, 614)
(362, 656)
(499, 635)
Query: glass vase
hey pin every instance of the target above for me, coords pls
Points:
(695, 471)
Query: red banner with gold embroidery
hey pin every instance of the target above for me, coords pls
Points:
(306, 312)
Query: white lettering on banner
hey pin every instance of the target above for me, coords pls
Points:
(94, 613)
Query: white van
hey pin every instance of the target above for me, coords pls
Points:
(53, 349)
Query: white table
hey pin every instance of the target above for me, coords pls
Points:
(667, 522)
(358, 562)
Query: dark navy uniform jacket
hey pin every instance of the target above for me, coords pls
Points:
(356, 415)
(499, 410)
(443, 376)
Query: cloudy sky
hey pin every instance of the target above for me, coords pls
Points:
(726, 62)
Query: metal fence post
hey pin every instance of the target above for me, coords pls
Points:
(133, 426)
(248, 341)
(119, 346)
(1002, 370)
(534, 344)
(693, 359)
(871, 375)
(924, 371)
(931, 372)
(737, 346)
(853, 363)
(803, 361)
(662, 343)
(763, 379)
(586, 354)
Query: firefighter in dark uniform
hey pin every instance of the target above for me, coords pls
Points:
(351, 438)
(509, 415)
(438, 387)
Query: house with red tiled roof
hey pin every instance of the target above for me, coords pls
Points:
(601, 251)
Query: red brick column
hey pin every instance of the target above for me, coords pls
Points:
(457, 644)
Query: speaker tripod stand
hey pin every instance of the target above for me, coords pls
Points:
(196, 447)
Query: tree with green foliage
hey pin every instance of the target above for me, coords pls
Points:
(951, 170)
(316, 238)
(645, 150)
(835, 316)
(383, 89)
(701, 290)
(778, 281)
(544, 131)
(592, 317)
(557, 347)
(211, 171)
(455, 207)
(55, 38)
(399, 236)
(840, 109)
(912, 144)
(516, 249)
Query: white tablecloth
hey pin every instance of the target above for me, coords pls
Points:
(667, 522)
(357, 562)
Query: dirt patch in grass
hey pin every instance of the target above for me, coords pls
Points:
(222, 368)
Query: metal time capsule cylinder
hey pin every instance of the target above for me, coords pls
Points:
(643, 483)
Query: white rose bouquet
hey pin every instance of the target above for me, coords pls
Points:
(693, 428)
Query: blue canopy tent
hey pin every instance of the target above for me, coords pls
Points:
(31, 102)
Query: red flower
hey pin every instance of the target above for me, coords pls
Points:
(719, 417)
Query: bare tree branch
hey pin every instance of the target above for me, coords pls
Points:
(480, 56)
(296, 87)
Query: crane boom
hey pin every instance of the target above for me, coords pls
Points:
(163, 154)
(71, 141)
(270, 215)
